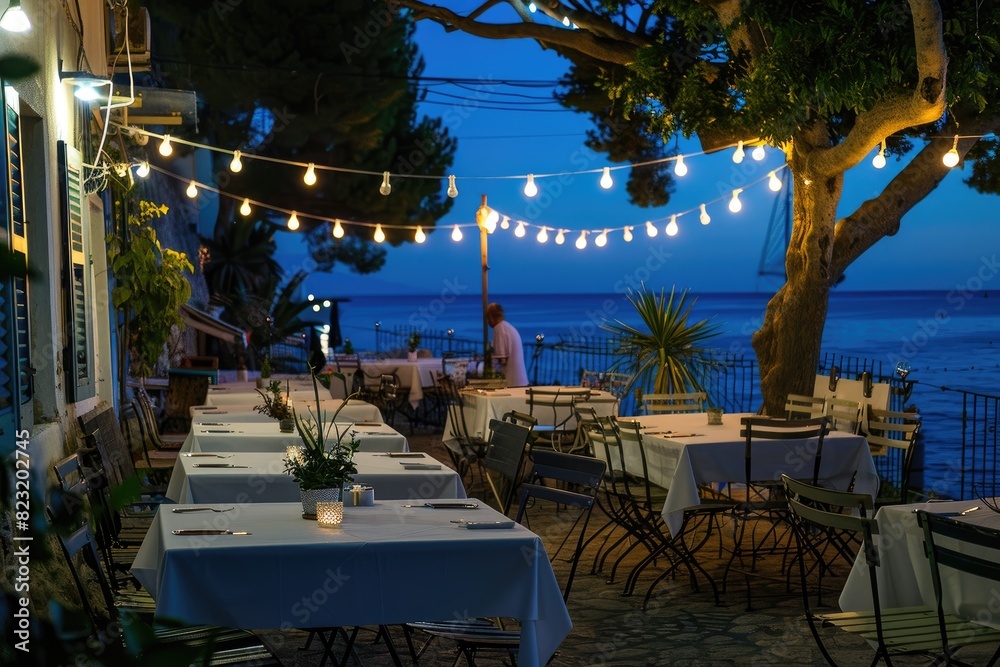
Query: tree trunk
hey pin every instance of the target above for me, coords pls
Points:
(788, 343)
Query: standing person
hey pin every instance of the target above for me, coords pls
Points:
(507, 348)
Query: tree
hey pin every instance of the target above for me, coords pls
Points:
(823, 80)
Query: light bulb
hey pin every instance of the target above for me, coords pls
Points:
(293, 221)
(581, 241)
(452, 189)
(530, 189)
(14, 19)
(165, 147)
(951, 158)
(565, 21)
(456, 235)
(560, 238)
(192, 190)
(627, 235)
(606, 181)
(738, 155)
(236, 166)
(602, 239)
(338, 230)
(758, 153)
(309, 178)
(651, 229)
(245, 208)
(385, 188)
(705, 218)
(672, 227)
(143, 170)
(311, 297)
(735, 205)
(505, 223)
(492, 218)
(379, 235)
(532, 8)
(680, 168)
(879, 160)
(326, 304)
(316, 307)
(774, 183)
(520, 231)
(543, 235)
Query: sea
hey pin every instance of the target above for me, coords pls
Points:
(950, 339)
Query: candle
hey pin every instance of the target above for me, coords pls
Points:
(329, 515)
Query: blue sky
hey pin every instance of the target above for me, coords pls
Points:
(941, 243)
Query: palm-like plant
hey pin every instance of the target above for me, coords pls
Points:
(670, 356)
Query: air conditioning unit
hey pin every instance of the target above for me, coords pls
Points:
(139, 34)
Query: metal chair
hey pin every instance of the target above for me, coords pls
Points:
(464, 447)
(843, 414)
(656, 404)
(892, 437)
(798, 406)
(553, 408)
(504, 457)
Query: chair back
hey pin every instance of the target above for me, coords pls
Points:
(633, 448)
(555, 402)
(520, 418)
(653, 404)
(844, 414)
(112, 453)
(504, 456)
(893, 435)
(756, 429)
(798, 406)
(81, 546)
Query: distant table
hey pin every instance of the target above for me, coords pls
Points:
(260, 477)
(413, 375)
(384, 565)
(267, 437)
(244, 412)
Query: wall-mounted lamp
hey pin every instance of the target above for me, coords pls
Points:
(86, 86)
(14, 19)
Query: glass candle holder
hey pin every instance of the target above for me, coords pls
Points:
(715, 416)
(329, 515)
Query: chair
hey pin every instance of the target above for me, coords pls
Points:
(805, 407)
(504, 456)
(844, 414)
(892, 437)
(165, 441)
(656, 404)
(159, 456)
(553, 408)
(464, 447)
(585, 413)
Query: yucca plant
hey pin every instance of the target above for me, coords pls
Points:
(327, 461)
(671, 355)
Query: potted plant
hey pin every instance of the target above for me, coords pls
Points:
(413, 343)
(325, 462)
(276, 406)
(265, 372)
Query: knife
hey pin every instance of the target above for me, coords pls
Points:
(207, 531)
(217, 465)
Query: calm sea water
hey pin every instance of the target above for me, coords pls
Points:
(950, 339)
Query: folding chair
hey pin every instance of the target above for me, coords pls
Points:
(657, 404)
(504, 457)
(553, 408)
(892, 437)
(843, 414)
(464, 448)
(805, 407)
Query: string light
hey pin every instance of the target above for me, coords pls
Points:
(774, 183)
(519, 232)
(379, 235)
(165, 148)
(326, 303)
(293, 221)
(452, 189)
(236, 165)
(672, 227)
(735, 205)
(680, 168)
(192, 190)
(338, 230)
(565, 21)
(419, 235)
(560, 238)
(456, 235)
(739, 154)
(627, 234)
(602, 239)
(758, 153)
(245, 209)
(705, 218)
(505, 223)
(316, 308)
(532, 8)
(143, 170)
(543, 235)
(581, 241)
(651, 230)
(530, 189)
(606, 181)
(309, 178)
(951, 158)
(311, 297)
(879, 160)
(385, 188)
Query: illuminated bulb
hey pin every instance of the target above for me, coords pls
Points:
(672, 227)
(565, 21)
(385, 188)
(606, 181)
(650, 229)
(520, 231)
(452, 189)
(236, 166)
(704, 217)
(581, 241)
(735, 205)
(532, 8)
(326, 304)
(338, 230)
(627, 235)
(456, 235)
(309, 178)
(311, 297)
(14, 19)
(143, 170)
(680, 168)
(505, 223)
(192, 190)
(543, 235)
(774, 183)
(492, 219)
(739, 154)
(245, 208)
(530, 189)
(419, 236)
(379, 235)
(879, 160)
(293, 221)
(758, 153)
(316, 307)
(165, 147)
(950, 158)
(560, 238)
(602, 239)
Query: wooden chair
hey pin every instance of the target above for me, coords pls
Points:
(798, 406)
(892, 437)
(655, 404)
(843, 414)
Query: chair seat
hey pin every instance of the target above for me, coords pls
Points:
(911, 629)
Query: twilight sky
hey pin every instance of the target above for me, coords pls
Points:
(941, 244)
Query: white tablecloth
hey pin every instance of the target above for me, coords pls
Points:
(715, 454)
(904, 577)
(244, 412)
(413, 375)
(384, 565)
(261, 478)
(220, 436)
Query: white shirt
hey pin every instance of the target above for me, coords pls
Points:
(508, 349)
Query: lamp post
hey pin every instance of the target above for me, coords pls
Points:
(486, 220)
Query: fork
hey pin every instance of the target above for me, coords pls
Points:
(183, 510)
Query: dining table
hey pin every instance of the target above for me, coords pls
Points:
(683, 451)
(413, 375)
(222, 436)
(260, 477)
(262, 566)
(354, 410)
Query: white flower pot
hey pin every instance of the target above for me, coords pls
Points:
(411, 356)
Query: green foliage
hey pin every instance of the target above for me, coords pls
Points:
(325, 463)
(275, 404)
(670, 355)
(265, 367)
(241, 258)
(150, 286)
(413, 342)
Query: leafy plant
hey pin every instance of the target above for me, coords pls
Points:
(669, 357)
(265, 368)
(325, 462)
(275, 405)
(413, 342)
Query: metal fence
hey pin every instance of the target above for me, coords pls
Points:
(979, 444)
(441, 343)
